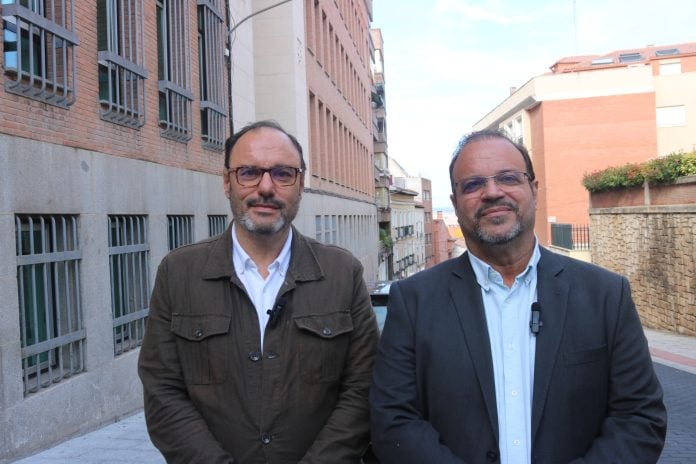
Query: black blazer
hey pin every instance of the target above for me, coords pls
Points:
(595, 394)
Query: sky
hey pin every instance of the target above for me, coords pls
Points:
(450, 62)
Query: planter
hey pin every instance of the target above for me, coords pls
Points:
(683, 192)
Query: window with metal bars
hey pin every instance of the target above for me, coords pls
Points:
(180, 231)
(174, 69)
(128, 265)
(48, 281)
(211, 40)
(121, 61)
(217, 223)
(39, 50)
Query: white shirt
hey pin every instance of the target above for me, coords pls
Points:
(262, 292)
(508, 311)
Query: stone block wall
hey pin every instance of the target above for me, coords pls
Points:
(655, 247)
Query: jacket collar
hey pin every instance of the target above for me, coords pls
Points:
(304, 265)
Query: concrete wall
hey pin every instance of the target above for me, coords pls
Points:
(655, 247)
(44, 178)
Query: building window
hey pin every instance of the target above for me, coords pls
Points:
(179, 231)
(121, 61)
(39, 50)
(128, 263)
(211, 40)
(671, 116)
(216, 224)
(48, 281)
(667, 69)
(173, 69)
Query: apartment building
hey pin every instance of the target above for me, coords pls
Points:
(113, 116)
(338, 99)
(425, 256)
(382, 176)
(591, 112)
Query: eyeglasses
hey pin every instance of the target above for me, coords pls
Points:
(502, 179)
(250, 176)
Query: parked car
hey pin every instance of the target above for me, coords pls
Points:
(379, 295)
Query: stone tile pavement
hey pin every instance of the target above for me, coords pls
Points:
(126, 441)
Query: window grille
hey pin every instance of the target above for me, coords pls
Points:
(180, 231)
(128, 263)
(39, 50)
(174, 69)
(211, 40)
(121, 61)
(216, 224)
(48, 281)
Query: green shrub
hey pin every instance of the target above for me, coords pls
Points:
(658, 171)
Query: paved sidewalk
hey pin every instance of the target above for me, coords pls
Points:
(127, 442)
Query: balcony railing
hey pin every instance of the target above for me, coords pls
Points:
(570, 236)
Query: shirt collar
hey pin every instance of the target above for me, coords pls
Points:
(243, 262)
(484, 272)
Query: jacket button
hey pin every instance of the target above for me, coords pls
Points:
(266, 438)
(326, 331)
(199, 332)
(254, 356)
(492, 456)
(271, 355)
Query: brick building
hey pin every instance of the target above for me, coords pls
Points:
(591, 112)
(113, 115)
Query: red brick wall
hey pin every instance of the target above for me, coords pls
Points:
(80, 126)
(584, 135)
(340, 113)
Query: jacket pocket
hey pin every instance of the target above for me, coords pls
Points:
(201, 343)
(585, 356)
(323, 345)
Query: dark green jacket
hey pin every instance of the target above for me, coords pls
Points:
(212, 396)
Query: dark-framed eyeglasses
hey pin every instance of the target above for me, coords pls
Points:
(250, 176)
(504, 180)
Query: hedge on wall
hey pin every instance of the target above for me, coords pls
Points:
(659, 171)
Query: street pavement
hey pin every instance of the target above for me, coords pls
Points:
(126, 441)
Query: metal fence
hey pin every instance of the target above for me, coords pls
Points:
(570, 236)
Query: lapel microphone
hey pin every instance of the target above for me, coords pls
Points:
(275, 312)
(535, 322)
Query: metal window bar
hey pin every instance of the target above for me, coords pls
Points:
(48, 282)
(180, 230)
(175, 87)
(121, 63)
(128, 264)
(45, 33)
(212, 76)
(570, 236)
(216, 224)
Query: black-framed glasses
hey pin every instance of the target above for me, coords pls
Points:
(509, 179)
(250, 176)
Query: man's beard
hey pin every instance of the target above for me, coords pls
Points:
(498, 239)
(245, 220)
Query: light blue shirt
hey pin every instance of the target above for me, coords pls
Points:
(262, 292)
(508, 311)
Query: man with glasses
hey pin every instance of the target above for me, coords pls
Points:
(260, 342)
(512, 353)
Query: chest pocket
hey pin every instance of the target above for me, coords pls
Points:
(202, 343)
(323, 345)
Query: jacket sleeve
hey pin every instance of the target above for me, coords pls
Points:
(636, 420)
(173, 422)
(400, 433)
(346, 434)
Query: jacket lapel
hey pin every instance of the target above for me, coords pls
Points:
(465, 294)
(552, 295)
